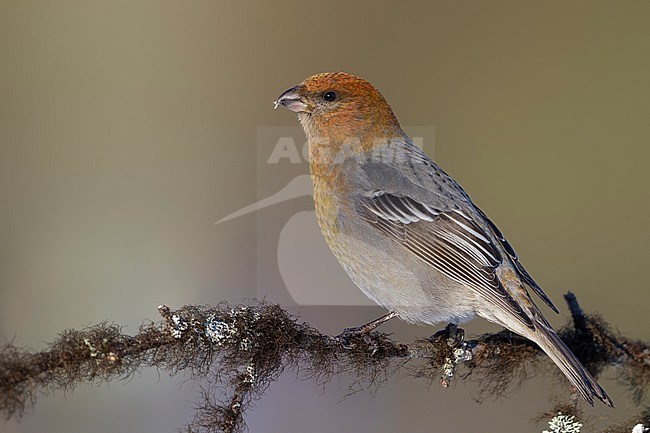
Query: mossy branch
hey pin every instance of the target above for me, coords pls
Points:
(239, 351)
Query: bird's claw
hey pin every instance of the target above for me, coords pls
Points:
(356, 338)
(351, 333)
(455, 336)
(459, 351)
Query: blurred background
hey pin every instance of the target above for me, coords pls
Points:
(127, 129)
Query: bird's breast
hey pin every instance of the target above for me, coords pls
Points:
(328, 187)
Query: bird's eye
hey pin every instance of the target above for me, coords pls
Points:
(330, 96)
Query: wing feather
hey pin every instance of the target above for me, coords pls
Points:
(449, 241)
(523, 273)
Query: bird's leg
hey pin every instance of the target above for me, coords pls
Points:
(368, 327)
(456, 335)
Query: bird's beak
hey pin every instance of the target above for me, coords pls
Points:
(292, 100)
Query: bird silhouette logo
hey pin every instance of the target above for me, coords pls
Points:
(299, 186)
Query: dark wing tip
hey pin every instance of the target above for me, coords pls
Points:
(531, 282)
(602, 396)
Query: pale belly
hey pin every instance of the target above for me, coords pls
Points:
(389, 274)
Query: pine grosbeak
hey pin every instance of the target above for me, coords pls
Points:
(405, 232)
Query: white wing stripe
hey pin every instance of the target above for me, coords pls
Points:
(469, 229)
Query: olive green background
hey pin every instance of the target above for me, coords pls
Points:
(128, 128)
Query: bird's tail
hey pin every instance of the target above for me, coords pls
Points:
(572, 368)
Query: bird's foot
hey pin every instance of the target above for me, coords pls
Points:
(456, 335)
(347, 338)
(459, 351)
(362, 331)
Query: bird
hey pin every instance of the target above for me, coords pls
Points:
(405, 231)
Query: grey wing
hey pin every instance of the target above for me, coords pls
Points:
(521, 271)
(447, 240)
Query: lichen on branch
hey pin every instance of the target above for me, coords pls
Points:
(238, 351)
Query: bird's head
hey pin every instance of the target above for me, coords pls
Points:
(340, 107)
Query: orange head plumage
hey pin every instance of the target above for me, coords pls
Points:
(336, 107)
